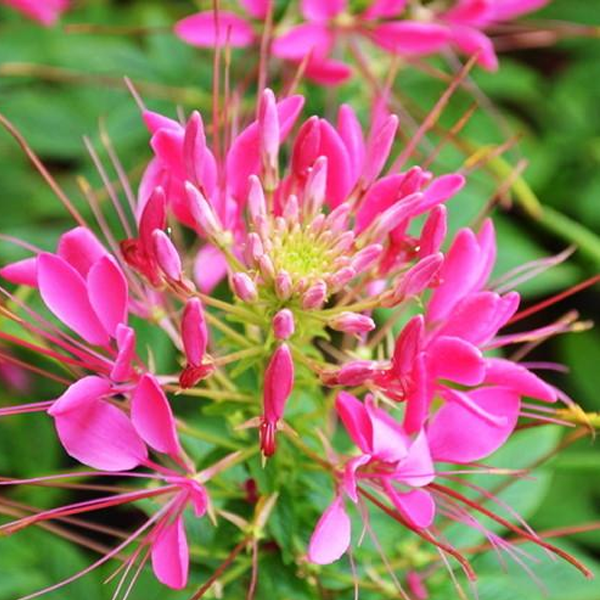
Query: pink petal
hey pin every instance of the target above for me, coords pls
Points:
(419, 397)
(80, 395)
(64, 292)
(442, 189)
(486, 238)
(458, 435)
(417, 468)
(356, 420)
(122, 368)
(458, 276)
(171, 556)
(46, 11)
(108, 294)
(155, 121)
(471, 12)
(510, 9)
(152, 417)
(81, 249)
(455, 359)
(349, 481)
(389, 440)
(378, 148)
(210, 268)
(298, 41)
(408, 345)
(411, 37)
(350, 131)
(257, 8)
(416, 506)
(331, 536)
(380, 196)
(167, 145)
(434, 231)
(327, 71)
(100, 435)
(512, 375)
(339, 180)
(472, 41)
(201, 30)
(21, 272)
(278, 383)
(321, 10)
(194, 332)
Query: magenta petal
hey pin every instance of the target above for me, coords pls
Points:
(210, 268)
(356, 420)
(379, 146)
(155, 121)
(167, 145)
(349, 482)
(108, 294)
(81, 249)
(419, 398)
(201, 30)
(510, 9)
(327, 71)
(351, 133)
(457, 434)
(321, 10)
(408, 345)
(297, 42)
(442, 189)
(416, 506)
(472, 41)
(121, 370)
(21, 272)
(194, 332)
(512, 375)
(411, 37)
(331, 536)
(101, 436)
(455, 359)
(380, 196)
(171, 556)
(384, 9)
(80, 395)
(417, 468)
(152, 417)
(390, 442)
(256, 8)
(339, 182)
(64, 292)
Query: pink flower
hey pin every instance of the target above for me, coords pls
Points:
(46, 12)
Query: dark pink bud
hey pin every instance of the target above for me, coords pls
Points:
(315, 296)
(306, 147)
(283, 324)
(341, 277)
(254, 247)
(244, 287)
(194, 332)
(357, 372)
(154, 216)
(434, 231)
(350, 322)
(202, 211)
(194, 147)
(367, 257)
(419, 277)
(268, 126)
(344, 242)
(166, 255)
(316, 186)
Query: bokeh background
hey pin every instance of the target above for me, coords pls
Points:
(58, 85)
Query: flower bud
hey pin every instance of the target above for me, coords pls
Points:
(166, 255)
(194, 333)
(267, 270)
(283, 285)
(350, 322)
(202, 211)
(257, 205)
(433, 232)
(278, 383)
(340, 278)
(337, 219)
(244, 287)
(378, 149)
(344, 242)
(194, 147)
(418, 278)
(268, 126)
(291, 210)
(306, 147)
(367, 257)
(315, 296)
(283, 324)
(357, 372)
(254, 247)
(316, 186)
(398, 214)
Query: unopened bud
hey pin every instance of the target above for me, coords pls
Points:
(306, 147)
(316, 186)
(244, 287)
(194, 147)
(194, 333)
(419, 277)
(291, 210)
(267, 270)
(166, 255)
(315, 296)
(283, 324)
(434, 231)
(397, 214)
(344, 242)
(254, 247)
(337, 219)
(257, 205)
(367, 257)
(283, 285)
(268, 125)
(350, 322)
(340, 278)
(357, 372)
(202, 211)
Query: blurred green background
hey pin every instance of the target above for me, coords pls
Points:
(58, 85)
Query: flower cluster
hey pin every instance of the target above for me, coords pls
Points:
(399, 27)
(288, 248)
